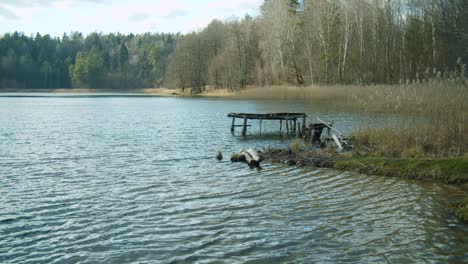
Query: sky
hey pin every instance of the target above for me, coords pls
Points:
(56, 17)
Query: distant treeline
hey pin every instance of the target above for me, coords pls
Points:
(290, 42)
(95, 61)
(327, 41)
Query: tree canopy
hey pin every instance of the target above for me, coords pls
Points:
(289, 42)
(327, 41)
(95, 61)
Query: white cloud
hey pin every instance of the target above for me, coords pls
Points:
(177, 13)
(7, 14)
(58, 16)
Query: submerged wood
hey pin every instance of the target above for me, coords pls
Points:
(249, 159)
(255, 154)
(250, 156)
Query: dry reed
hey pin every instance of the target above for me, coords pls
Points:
(433, 116)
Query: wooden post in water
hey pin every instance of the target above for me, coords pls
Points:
(294, 129)
(299, 133)
(311, 139)
(244, 127)
(233, 124)
(260, 126)
(304, 121)
(287, 125)
(281, 125)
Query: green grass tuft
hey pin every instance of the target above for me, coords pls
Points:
(460, 209)
(451, 171)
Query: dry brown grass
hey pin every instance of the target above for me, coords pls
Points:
(371, 98)
(294, 93)
(433, 121)
(414, 140)
(433, 116)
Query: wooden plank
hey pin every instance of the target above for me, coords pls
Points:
(271, 116)
(304, 121)
(329, 127)
(233, 124)
(337, 142)
(261, 126)
(244, 128)
(312, 133)
(299, 133)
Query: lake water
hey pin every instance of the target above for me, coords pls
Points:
(134, 179)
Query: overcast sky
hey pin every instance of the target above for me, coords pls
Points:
(126, 16)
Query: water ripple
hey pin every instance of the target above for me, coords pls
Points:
(134, 180)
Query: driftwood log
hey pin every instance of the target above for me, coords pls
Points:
(249, 156)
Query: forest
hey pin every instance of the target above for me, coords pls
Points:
(327, 42)
(112, 61)
(290, 42)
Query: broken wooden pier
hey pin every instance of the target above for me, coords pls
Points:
(293, 127)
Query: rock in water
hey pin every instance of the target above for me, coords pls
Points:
(219, 156)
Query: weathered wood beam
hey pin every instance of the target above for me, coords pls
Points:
(233, 124)
(304, 121)
(244, 128)
(261, 126)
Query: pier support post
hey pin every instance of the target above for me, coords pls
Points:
(261, 126)
(312, 135)
(294, 127)
(304, 121)
(281, 125)
(287, 125)
(244, 127)
(233, 124)
(299, 133)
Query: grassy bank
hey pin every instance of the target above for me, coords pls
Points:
(450, 170)
(460, 209)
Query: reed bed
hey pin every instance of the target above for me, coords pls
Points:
(433, 121)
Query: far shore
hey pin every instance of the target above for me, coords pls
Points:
(149, 91)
